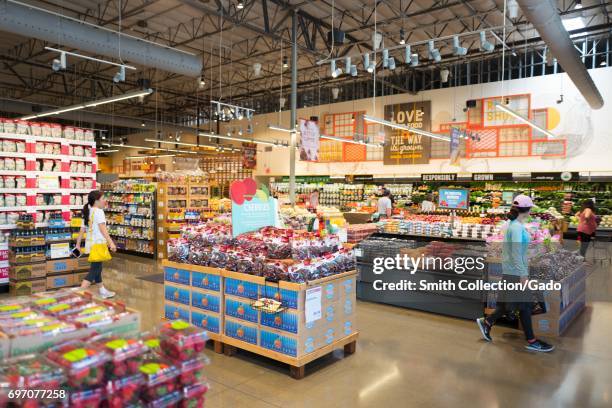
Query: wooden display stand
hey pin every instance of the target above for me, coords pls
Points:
(285, 336)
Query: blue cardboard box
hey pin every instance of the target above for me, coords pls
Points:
(175, 275)
(205, 300)
(206, 281)
(241, 309)
(173, 311)
(241, 288)
(208, 321)
(178, 294)
(241, 330)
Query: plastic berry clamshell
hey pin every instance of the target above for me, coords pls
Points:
(168, 400)
(125, 355)
(124, 392)
(160, 377)
(86, 399)
(181, 340)
(83, 364)
(8, 309)
(192, 371)
(193, 395)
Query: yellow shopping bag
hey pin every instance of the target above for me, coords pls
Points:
(99, 253)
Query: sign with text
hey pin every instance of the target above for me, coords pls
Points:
(252, 207)
(493, 116)
(455, 140)
(309, 140)
(453, 198)
(249, 155)
(551, 176)
(403, 146)
(439, 177)
(492, 177)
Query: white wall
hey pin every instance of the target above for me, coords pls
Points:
(589, 132)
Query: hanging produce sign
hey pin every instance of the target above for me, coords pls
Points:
(551, 176)
(358, 178)
(309, 140)
(249, 155)
(455, 140)
(492, 177)
(402, 146)
(307, 179)
(439, 177)
(252, 207)
(453, 198)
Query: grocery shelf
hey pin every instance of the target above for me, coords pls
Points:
(32, 138)
(132, 238)
(41, 207)
(34, 191)
(13, 226)
(34, 173)
(24, 155)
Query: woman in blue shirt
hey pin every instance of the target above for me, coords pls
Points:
(515, 269)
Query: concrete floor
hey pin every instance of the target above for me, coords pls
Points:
(408, 358)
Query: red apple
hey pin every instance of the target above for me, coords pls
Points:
(250, 186)
(237, 191)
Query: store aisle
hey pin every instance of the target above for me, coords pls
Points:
(409, 358)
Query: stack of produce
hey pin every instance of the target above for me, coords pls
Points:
(297, 218)
(161, 370)
(555, 265)
(359, 232)
(269, 252)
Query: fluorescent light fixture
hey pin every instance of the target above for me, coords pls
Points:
(107, 151)
(131, 146)
(575, 23)
(92, 104)
(178, 143)
(384, 122)
(523, 119)
(74, 54)
(149, 156)
(282, 129)
(239, 139)
(339, 139)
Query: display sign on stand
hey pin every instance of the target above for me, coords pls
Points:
(453, 198)
(252, 207)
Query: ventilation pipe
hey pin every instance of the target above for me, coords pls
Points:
(544, 17)
(30, 21)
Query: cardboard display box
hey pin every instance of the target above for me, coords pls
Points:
(28, 271)
(61, 266)
(61, 281)
(211, 322)
(241, 330)
(206, 300)
(28, 287)
(173, 311)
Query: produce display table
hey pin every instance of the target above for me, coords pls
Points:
(318, 316)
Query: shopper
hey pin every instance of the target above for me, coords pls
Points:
(515, 268)
(313, 200)
(587, 224)
(381, 192)
(385, 206)
(97, 241)
(427, 205)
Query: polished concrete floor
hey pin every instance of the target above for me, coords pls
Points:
(407, 358)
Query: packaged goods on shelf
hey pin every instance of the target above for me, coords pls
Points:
(358, 232)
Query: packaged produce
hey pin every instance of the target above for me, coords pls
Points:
(91, 398)
(193, 395)
(160, 377)
(31, 372)
(181, 340)
(125, 391)
(125, 355)
(84, 364)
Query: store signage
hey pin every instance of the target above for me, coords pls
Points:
(552, 176)
(402, 146)
(309, 140)
(439, 177)
(453, 198)
(496, 117)
(455, 140)
(307, 179)
(492, 177)
(252, 207)
(249, 155)
(358, 178)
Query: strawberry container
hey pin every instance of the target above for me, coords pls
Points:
(182, 341)
(125, 355)
(192, 371)
(83, 364)
(193, 395)
(160, 377)
(125, 391)
(169, 400)
(86, 399)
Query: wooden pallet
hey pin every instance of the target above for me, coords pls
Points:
(296, 365)
(216, 340)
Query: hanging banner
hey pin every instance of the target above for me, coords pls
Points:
(309, 140)
(455, 140)
(402, 146)
(249, 155)
(492, 177)
(252, 207)
(439, 177)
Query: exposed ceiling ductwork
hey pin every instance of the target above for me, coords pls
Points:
(543, 15)
(29, 21)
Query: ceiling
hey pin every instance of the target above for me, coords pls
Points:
(230, 40)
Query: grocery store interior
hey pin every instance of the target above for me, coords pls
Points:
(242, 171)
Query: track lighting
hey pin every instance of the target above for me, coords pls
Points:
(239, 114)
(407, 54)
(335, 72)
(281, 102)
(434, 53)
(59, 64)
(285, 62)
(513, 9)
(458, 50)
(391, 63)
(354, 70)
(240, 5)
(201, 82)
(402, 36)
(578, 4)
(335, 92)
(385, 54)
(444, 74)
(485, 45)
(120, 75)
(257, 69)
(414, 60)
(143, 124)
(367, 64)
(347, 65)
(377, 38)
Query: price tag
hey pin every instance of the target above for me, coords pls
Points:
(358, 252)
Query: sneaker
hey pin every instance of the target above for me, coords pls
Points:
(105, 293)
(485, 329)
(540, 346)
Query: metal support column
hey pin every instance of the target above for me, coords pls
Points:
(293, 133)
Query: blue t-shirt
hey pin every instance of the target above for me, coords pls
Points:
(516, 244)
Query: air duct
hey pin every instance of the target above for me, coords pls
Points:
(30, 21)
(543, 15)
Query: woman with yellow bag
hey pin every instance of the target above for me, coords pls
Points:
(97, 242)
